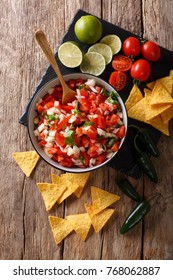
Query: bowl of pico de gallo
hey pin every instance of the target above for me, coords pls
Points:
(80, 136)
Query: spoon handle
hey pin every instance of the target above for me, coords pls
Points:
(42, 41)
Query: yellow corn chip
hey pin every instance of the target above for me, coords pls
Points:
(167, 82)
(26, 160)
(101, 199)
(50, 193)
(134, 97)
(167, 115)
(160, 125)
(60, 228)
(81, 224)
(79, 178)
(71, 187)
(100, 219)
(137, 112)
(151, 85)
(160, 95)
(171, 72)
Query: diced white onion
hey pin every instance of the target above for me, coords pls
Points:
(52, 133)
(45, 132)
(41, 127)
(36, 133)
(72, 119)
(50, 139)
(90, 82)
(51, 111)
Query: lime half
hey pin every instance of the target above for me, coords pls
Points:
(93, 63)
(70, 54)
(113, 41)
(104, 50)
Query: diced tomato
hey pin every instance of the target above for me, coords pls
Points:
(72, 84)
(93, 107)
(49, 104)
(94, 120)
(58, 89)
(86, 159)
(52, 150)
(92, 151)
(98, 88)
(91, 133)
(111, 120)
(104, 106)
(47, 98)
(84, 105)
(67, 108)
(79, 131)
(79, 82)
(100, 98)
(60, 139)
(63, 121)
(121, 132)
(100, 159)
(91, 97)
(85, 141)
(84, 93)
(40, 109)
(101, 121)
(42, 143)
(115, 147)
(67, 162)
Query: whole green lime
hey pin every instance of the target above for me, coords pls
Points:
(88, 29)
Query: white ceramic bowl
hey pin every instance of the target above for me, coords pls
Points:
(32, 113)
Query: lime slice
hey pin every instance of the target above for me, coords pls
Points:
(113, 41)
(93, 63)
(103, 49)
(70, 54)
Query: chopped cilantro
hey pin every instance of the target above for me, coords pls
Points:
(51, 117)
(110, 141)
(88, 124)
(81, 86)
(69, 139)
(76, 109)
(104, 92)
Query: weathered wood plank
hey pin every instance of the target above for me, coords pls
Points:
(158, 226)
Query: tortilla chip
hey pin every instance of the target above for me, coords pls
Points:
(160, 125)
(61, 181)
(167, 115)
(151, 85)
(137, 112)
(50, 193)
(101, 199)
(81, 224)
(60, 228)
(160, 95)
(79, 178)
(167, 82)
(134, 97)
(99, 220)
(26, 161)
(171, 72)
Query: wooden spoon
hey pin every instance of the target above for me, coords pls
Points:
(68, 94)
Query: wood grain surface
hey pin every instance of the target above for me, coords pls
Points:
(25, 232)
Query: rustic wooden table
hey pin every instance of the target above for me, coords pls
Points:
(24, 230)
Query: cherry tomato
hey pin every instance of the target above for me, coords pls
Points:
(118, 80)
(151, 51)
(121, 63)
(140, 70)
(131, 46)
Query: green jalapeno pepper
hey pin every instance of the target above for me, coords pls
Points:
(146, 142)
(138, 213)
(145, 162)
(127, 188)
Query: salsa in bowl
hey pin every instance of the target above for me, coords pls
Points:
(82, 135)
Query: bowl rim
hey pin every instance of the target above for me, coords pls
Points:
(40, 151)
